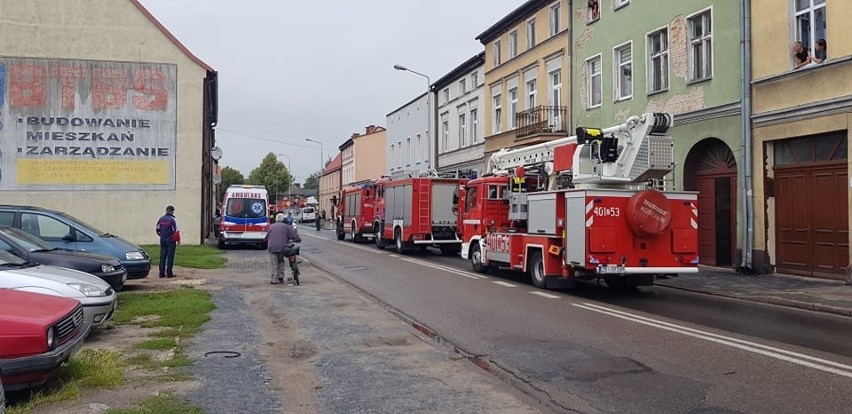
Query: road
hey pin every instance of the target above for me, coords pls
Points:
(596, 350)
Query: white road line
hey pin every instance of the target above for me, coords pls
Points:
(766, 350)
(354, 246)
(506, 284)
(544, 295)
(446, 269)
(393, 255)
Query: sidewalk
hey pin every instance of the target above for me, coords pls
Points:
(799, 292)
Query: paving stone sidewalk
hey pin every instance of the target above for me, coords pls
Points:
(799, 292)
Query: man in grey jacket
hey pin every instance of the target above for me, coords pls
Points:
(280, 235)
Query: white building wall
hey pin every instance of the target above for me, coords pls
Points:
(114, 31)
(466, 98)
(403, 128)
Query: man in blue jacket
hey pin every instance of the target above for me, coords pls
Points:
(166, 229)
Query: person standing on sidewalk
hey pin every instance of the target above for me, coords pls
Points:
(167, 230)
(279, 236)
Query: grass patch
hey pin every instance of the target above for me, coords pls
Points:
(161, 404)
(89, 368)
(146, 361)
(185, 308)
(157, 343)
(198, 257)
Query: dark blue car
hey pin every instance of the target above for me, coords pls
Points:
(66, 232)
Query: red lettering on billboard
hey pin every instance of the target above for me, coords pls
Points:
(109, 88)
(68, 84)
(151, 85)
(27, 85)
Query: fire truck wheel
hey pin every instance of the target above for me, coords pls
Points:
(380, 242)
(339, 229)
(356, 237)
(537, 271)
(476, 259)
(397, 238)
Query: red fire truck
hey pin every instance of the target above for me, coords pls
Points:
(358, 209)
(419, 213)
(583, 208)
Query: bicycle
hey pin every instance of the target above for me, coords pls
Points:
(291, 251)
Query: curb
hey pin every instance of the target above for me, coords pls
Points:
(772, 300)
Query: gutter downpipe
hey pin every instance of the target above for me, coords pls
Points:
(572, 84)
(748, 189)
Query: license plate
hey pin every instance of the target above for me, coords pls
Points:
(610, 270)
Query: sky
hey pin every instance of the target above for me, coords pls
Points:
(291, 70)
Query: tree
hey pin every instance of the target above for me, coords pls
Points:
(272, 174)
(312, 182)
(230, 176)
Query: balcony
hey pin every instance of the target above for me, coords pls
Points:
(542, 120)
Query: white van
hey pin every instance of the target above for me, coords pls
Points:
(309, 214)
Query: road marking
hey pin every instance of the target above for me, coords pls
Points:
(506, 284)
(313, 236)
(445, 268)
(766, 350)
(393, 255)
(544, 295)
(354, 246)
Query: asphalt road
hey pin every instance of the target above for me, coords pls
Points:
(596, 350)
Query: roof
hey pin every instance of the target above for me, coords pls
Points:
(410, 102)
(170, 36)
(336, 164)
(469, 65)
(511, 19)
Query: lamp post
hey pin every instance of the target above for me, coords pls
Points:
(428, 109)
(290, 173)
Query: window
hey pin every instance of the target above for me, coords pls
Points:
(445, 131)
(513, 44)
(419, 150)
(7, 218)
(393, 156)
(462, 131)
(470, 199)
(623, 68)
(474, 125)
(658, 61)
(463, 86)
(810, 22)
(531, 92)
(595, 86)
(399, 154)
(498, 113)
(513, 108)
(593, 11)
(554, 18)
(620, 3)
(497, 58)
(474, 79)
(446, 93)
(554, 116)
(701, 46)
(530, 34)
(408, 151)
(51, 229)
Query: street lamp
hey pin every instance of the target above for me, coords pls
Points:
(290, 173)
(319, 177)
(428, 109)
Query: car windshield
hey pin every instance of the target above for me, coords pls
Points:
(84, 225)
(9, 259)
(246, 208)
(308, 210)
(25, 240)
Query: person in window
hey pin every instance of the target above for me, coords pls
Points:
(820, 52)
(594, 10)
(801, 57)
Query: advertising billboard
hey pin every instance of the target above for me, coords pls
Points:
(87, 125)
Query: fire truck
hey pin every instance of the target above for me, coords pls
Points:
(583, 207)
(358, 208)
(418, 213)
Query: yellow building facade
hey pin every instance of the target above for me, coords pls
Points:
(527, 76)
(800, 126)
(369, 157)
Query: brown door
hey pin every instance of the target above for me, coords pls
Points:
(812, 220)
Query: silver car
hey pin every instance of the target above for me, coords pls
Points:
(98, 298)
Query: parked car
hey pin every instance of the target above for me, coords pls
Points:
(308, 214)
(98, 298)
(66, 232)
(35, 250)
(40, 332)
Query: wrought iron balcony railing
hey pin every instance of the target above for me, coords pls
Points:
(542, 120)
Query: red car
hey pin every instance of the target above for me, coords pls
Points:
(37, 334)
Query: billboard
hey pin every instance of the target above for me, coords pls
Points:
(87, 125)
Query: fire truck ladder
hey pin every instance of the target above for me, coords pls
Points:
(424, 211)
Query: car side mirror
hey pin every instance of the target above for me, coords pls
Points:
(69, 238)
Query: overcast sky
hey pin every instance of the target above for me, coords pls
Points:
(290, 70)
